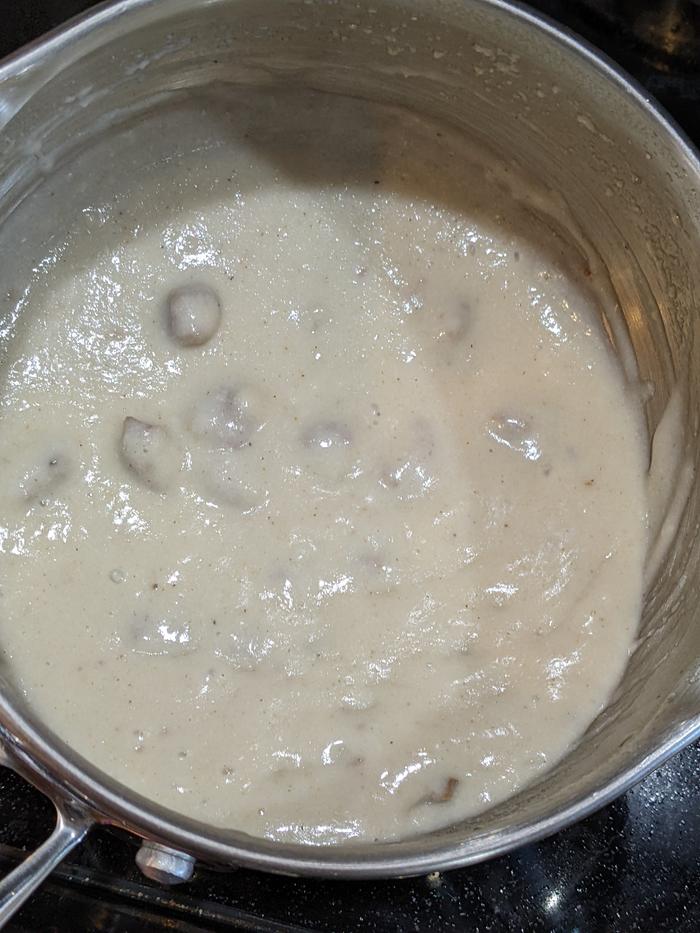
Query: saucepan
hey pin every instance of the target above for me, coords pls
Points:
(542, 99)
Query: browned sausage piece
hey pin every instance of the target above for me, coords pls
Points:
(147, 451)
(193, 314)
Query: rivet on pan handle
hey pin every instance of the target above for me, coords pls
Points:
(70, 830)
(165, 865)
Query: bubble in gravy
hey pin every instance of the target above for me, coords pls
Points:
(326, 435)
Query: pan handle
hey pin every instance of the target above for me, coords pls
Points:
(22, 881)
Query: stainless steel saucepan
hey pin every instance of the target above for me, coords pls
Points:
(536, 95)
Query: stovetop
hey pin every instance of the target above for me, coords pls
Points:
(634, 866)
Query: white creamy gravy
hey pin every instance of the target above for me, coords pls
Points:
(343, 538)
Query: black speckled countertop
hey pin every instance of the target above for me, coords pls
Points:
(634, 866)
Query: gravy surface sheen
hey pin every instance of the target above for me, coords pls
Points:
(322, 493)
